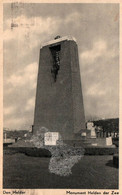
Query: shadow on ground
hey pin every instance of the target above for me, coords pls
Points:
(111, 164)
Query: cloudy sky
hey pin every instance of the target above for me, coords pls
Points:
(96, 29)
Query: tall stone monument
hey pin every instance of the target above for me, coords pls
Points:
(59, 100)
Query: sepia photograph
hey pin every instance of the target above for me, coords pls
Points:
(60, 96)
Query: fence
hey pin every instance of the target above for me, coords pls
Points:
(102, 134)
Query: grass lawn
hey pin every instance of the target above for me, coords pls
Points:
(91, 172)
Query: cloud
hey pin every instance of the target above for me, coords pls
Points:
(73, 17)
(30, 32)
(30, 104)
(37, 25)
(24, 77)
(9, 110)
(96, 90)
(99, 65)
(99, 49)
(20, 97)
(18, 123)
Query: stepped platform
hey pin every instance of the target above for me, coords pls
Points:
(28, 148)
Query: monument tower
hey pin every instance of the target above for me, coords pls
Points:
(59, 100)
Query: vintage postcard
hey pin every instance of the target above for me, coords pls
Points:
(61, 97)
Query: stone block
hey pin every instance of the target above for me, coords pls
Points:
(59, 100)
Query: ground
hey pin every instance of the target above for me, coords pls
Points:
(91, 172)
